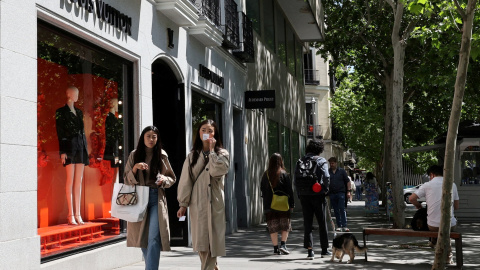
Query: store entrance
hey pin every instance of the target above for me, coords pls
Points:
(168, 103)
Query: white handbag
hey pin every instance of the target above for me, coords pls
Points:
(131, 212)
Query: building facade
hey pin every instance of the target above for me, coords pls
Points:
(170, 63)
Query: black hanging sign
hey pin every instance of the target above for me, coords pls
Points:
(260, 99)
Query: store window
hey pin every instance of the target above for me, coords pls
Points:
(81, 111)
(470, 165)
(273, 138)
(286, 150)
(204, 108)
(253, 12)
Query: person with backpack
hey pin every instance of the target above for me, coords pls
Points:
(275, 180)
(339, 191)
(312, 184)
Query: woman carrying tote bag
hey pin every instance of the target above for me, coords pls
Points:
(275, 178)
(148, 165)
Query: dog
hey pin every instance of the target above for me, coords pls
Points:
(345, 243)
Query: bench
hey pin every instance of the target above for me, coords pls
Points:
(411, 233)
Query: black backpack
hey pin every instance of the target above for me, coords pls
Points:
(306, 175)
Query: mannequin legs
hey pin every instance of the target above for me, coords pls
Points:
(73, 190)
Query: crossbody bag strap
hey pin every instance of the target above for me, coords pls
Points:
(273, 192)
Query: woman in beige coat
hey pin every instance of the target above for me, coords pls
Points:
(148, 165)
(201, 189)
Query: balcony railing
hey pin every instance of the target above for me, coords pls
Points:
(246, 51)
(312, 77)
(231, 37)
(209, 9)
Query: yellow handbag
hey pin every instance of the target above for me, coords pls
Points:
(279, 202)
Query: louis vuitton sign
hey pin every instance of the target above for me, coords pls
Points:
(107, 13)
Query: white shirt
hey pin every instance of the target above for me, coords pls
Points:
(432, 191)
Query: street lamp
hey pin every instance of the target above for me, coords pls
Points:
(313, 114)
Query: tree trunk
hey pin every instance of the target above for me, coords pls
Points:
(396, 168)
(441, 251)
(387, 141)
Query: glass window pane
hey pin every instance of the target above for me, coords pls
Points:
(295, 147)
(268, 24)
(273, 139)
(204, 108)
(290, 50)
(470, 165)
(286, 151)
(253, 12)
(298, 59)
(80, 116)
(280, 34)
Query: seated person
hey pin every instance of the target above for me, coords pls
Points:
(432, 191)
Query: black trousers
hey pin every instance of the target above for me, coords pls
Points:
(314, 205)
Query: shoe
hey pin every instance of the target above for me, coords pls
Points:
(311, 254)
(79, 220)
(346, 229)
(284, 250)
(71, 220)
(338, 229)
(325, 253)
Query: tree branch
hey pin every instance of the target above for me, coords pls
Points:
(460, 10)
(391, 3)
(409, 29)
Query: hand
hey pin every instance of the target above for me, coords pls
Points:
(63, 157)
(181, 211)
(418, 206)
(212, 143)
(141, 166)
(160, 179)
(116, 160)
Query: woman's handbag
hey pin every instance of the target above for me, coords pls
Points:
(129, 202)
(279, 202)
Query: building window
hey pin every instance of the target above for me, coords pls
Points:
(273, 138)
(470, 165)
(268, 24)
(204, 108)
(81, 111)
(286, 151)
(298, 61)
(253, 12)
(280, 34)
(290, 50)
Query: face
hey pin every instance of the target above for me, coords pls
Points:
(72, 94)
(150, 138)
(207, 129)
(333, 165)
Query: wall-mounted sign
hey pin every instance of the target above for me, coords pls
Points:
(206, 73)
(260, 99)
(108, 14)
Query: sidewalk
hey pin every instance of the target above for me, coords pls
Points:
(251, 248)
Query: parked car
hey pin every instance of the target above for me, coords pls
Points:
(408, 191)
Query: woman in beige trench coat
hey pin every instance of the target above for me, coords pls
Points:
(201, 189)
(148, 165)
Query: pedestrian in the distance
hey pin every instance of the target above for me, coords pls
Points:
(371, 194)
(148, 165)
(275, 178)
(358, 188)
(339, 192)
(201, 188)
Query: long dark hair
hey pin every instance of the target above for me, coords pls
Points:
(275, 168)
(198, 144)
(140, 154)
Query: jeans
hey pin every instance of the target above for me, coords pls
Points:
(358, 193)
(152, 252)
(314, 205)
(338, 205)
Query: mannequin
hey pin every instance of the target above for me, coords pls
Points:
(112, 134)
(73, 152)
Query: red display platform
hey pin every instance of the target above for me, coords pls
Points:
(59, 234)
(112, 226)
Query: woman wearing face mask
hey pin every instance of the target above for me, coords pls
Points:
(148, 165)
(201, 189)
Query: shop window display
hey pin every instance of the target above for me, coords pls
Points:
(80, 139)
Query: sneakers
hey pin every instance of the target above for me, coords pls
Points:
(342, 229)
(325, 253)
(284, 250)
(311, 255)
(338, 229)
(345, 229)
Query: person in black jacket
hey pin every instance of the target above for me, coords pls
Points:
(315, 203)
(73, 151)
(276, 179)
(113, 133)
